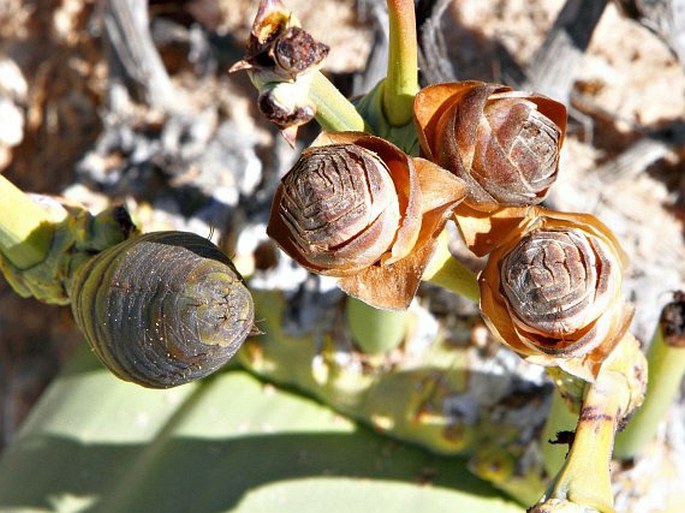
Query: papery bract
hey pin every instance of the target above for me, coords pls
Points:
(356, 207)
(551, 290)
(504, 144)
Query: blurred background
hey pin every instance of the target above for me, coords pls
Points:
(130, 102)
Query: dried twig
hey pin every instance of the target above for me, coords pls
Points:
(552, 69)
(434, 60)
(135, 58)
(643, 153)
(666, 18)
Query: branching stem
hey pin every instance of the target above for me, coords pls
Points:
(26, 229)
(334, 112)
(446, 271)
(585, 478)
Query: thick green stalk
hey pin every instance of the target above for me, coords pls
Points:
(26, 230)
(376, 331)
(334, 112)
(446, 271)
(666, 361)
(402, 82)
(584, 482)
(584, 479)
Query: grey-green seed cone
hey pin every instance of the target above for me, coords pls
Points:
(162, 309)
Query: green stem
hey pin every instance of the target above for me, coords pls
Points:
(666, 369)
(560, 418)
(334, 112)
(376, 331)
(446, 271)
(402, 82)
(26, 230)
(585, 479)
(584, 482)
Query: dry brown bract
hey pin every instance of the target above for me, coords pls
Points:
(551, 291)
(503, 143)
(356, 207)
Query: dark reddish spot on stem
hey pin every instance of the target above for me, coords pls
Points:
(673, 321)
(594, 414)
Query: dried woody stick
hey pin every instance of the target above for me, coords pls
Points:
(135, 55)
(666, 18)
(583, 485)
(552, 70)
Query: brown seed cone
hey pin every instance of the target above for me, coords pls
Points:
(551, 291)
(504, 144)
(356, 207)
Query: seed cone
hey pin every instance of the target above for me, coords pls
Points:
(552, 291)
(356, 207)
(162, 309)
(341, 208)
(504, 144)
